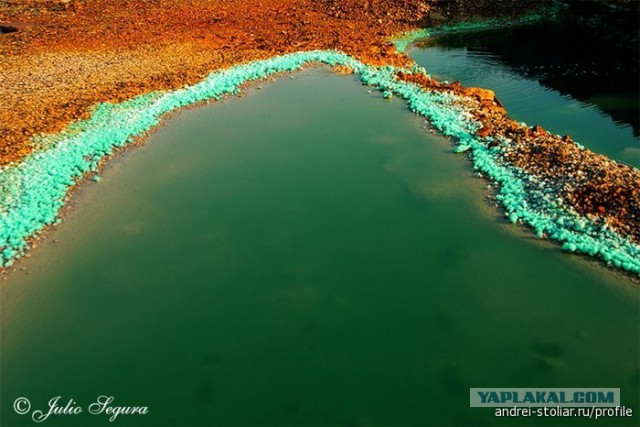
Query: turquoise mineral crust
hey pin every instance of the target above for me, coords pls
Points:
(33, 191)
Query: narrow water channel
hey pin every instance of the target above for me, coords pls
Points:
(566, 78)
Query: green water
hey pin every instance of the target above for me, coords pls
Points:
(306, 255)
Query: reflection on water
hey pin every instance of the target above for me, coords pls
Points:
(307, 263)
(567, 78)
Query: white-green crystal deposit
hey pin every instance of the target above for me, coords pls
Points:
(33, 191)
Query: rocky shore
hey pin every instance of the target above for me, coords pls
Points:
(160, 55)
(589, 183)
(68, 55)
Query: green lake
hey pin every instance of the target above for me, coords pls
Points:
(307, 254)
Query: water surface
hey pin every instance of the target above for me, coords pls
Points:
(307, 255)
(564, 77)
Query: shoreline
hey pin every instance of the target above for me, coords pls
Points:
(406, 40)
(32, 206)
(585, 201)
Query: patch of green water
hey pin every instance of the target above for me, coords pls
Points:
(308, 256)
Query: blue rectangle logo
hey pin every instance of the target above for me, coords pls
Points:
(539, 397)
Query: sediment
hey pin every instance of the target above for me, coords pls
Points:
(75, 95)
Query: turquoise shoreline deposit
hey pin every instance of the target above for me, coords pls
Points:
(407, 39)
(33, 191)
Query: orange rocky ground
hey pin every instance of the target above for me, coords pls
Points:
(69, 55)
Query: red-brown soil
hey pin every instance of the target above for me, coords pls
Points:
(69, 55)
